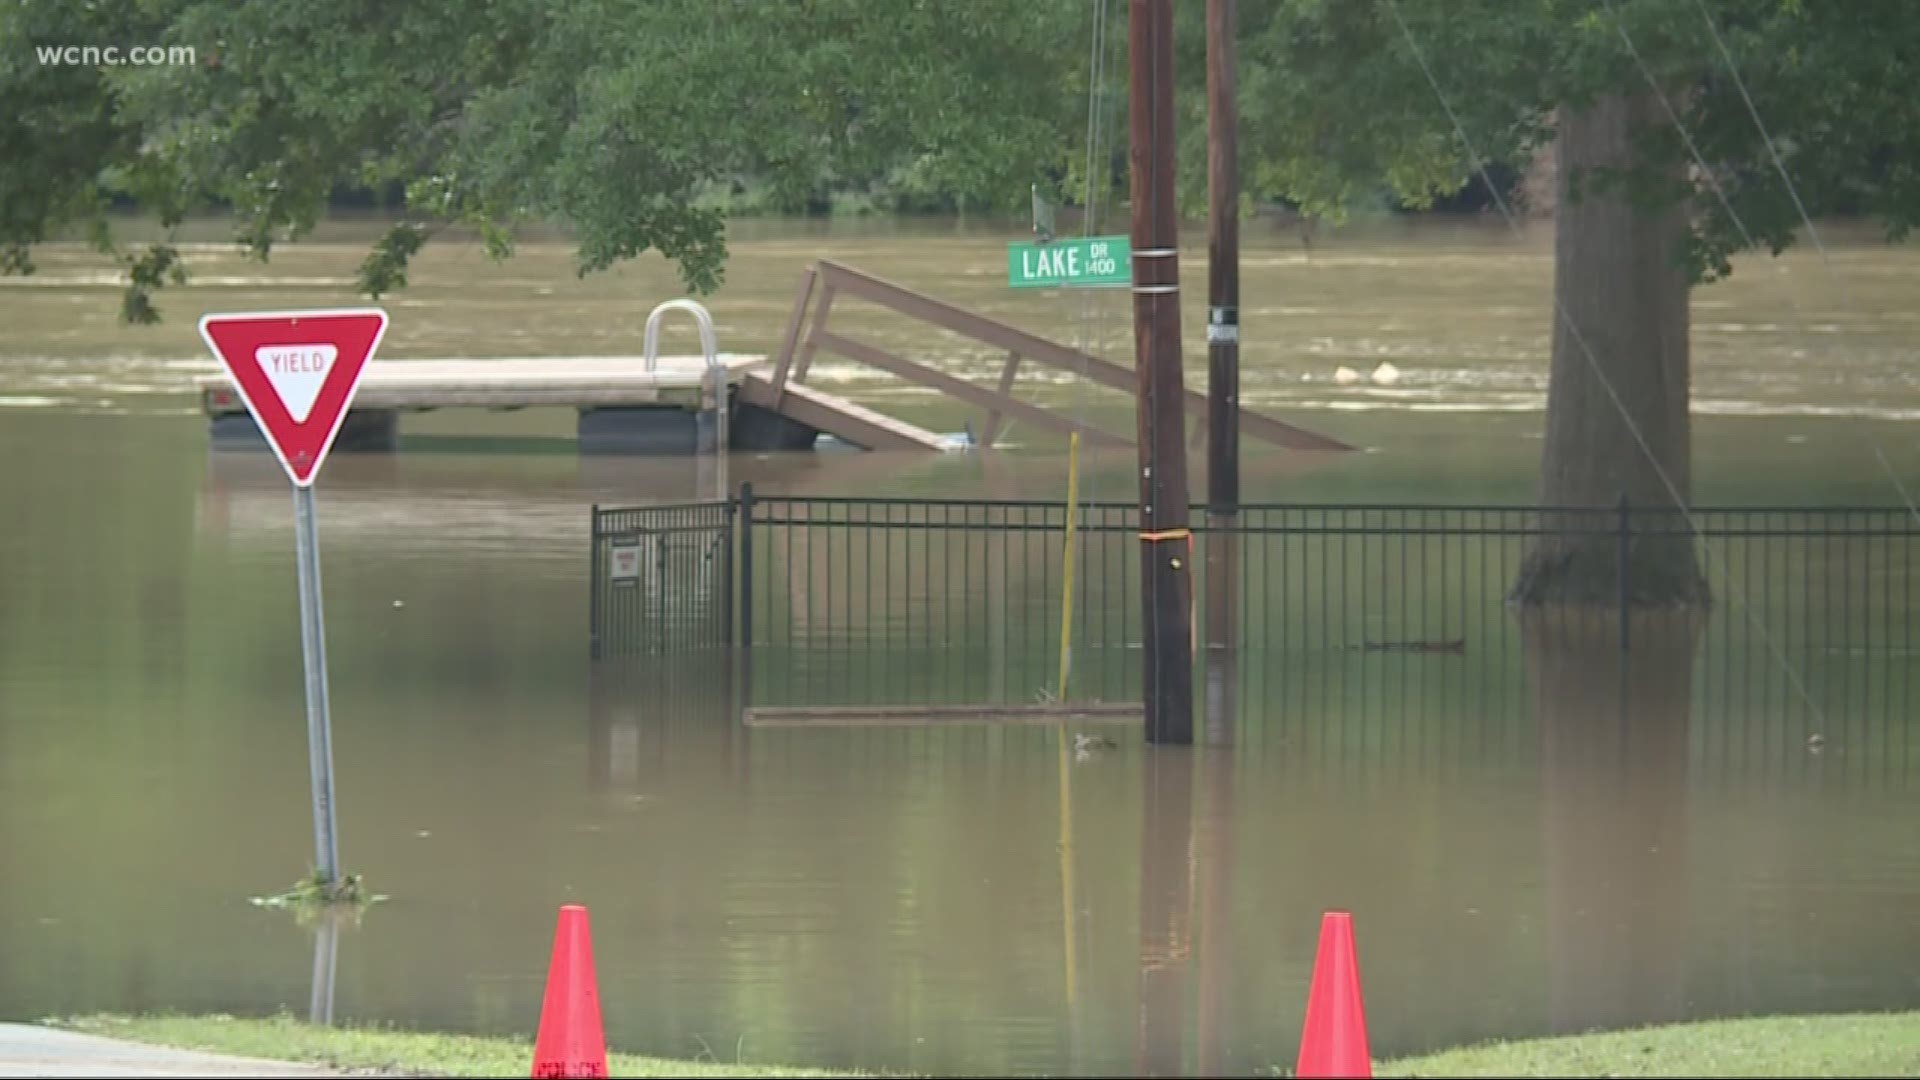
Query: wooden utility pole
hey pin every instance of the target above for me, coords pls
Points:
(1223, 266)
(1222, 548)
(1166, 547)
(1214, 841)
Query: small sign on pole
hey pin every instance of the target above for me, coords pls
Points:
(1071, 262)
(297, 372)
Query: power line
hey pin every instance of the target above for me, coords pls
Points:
(1746, 237)
(1813, 233)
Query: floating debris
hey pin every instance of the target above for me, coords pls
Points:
(312, 894)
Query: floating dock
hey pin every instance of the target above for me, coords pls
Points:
(624, 408)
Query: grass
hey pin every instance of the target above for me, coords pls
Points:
(1880, 1044)
(366, 1049)
(1885, 1044)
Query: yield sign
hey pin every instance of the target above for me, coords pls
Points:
(297, 371)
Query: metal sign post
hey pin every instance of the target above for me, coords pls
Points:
(297, 372)
(313, 651)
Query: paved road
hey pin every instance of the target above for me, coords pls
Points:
(27, 1050)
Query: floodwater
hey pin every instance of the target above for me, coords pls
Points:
(1560, 841)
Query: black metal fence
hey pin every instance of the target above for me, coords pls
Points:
(1362, 612)
(662, 579)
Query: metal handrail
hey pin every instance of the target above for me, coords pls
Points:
(700, 317)
(716, 392)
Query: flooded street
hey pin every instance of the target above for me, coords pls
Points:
(1535, 836)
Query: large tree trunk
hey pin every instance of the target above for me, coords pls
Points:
(1617, 425)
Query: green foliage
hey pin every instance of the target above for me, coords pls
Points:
(60, 131)
(385, 267)
(148, 271)
(313, 897)
(622, 119)
(611, 117)
(1334, 103)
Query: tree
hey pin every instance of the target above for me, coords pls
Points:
(60, 132)
(1338, 96)
(606, 116)
(610, 116)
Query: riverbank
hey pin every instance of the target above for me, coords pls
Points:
(1848, 1045)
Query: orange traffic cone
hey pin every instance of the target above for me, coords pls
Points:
(1334, 1041)
(571, 1041)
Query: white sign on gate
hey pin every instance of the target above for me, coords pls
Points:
(626, 561)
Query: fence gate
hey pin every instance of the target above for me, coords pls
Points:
(662, 579)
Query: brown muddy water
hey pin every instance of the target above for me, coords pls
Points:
(1555, 844)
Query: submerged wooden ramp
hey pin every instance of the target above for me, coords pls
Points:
(836, 416)
(807, 333)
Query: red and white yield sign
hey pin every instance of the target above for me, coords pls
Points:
(297, 372)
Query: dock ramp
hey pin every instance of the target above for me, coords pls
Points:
(836, 416)
(784, 390)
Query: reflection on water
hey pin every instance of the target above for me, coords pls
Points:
(1614, 748)
(326, 960)
(1166, 908)
(1565, 889)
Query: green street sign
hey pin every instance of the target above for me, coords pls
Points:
(1071, 262)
